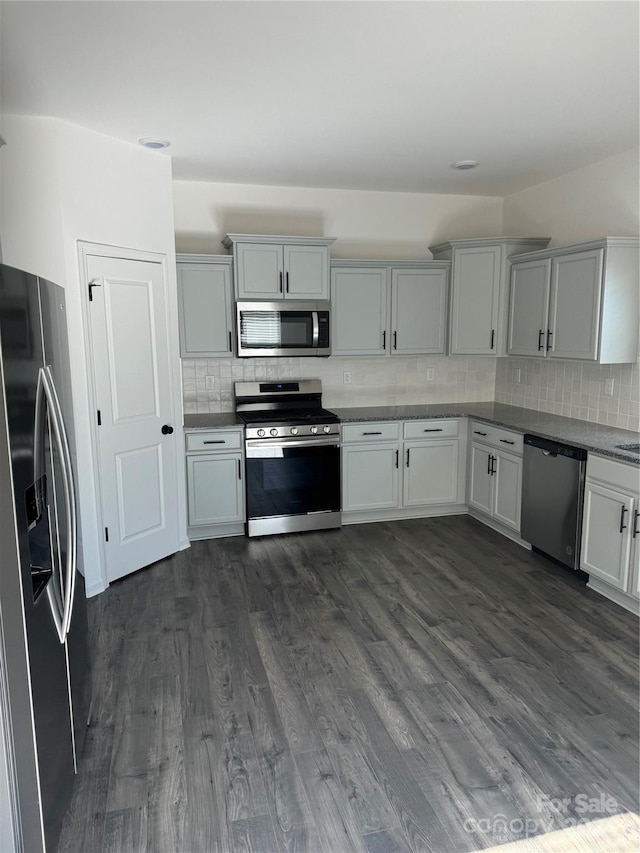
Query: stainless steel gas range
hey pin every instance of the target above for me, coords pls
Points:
(292, 449)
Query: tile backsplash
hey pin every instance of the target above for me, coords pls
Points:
(569, 388)
(574, 389)
(374, 381)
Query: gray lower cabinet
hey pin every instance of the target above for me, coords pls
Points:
(494, 483)
(388, 307)
(215, 484)
(402, 470)
(610, 550)
(479, 301)
(205, 303)
(577, 302)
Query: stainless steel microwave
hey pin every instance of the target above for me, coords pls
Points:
(283, 328)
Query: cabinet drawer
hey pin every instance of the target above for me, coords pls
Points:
(618, 474)
(212, 441)
(497, 437)
(436, 428)
(371, 432)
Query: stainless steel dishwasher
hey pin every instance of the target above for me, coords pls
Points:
(552, 493)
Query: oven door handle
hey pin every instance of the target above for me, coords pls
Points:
(276, 445)
(316, 329)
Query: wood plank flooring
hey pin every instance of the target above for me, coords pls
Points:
(414, 686)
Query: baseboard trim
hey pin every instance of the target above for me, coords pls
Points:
(397, 514)
(499, 528)
(616, 595)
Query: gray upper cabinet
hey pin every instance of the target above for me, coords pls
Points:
(271, 267)
(577, 302)
(388, 307)
(359, 297)
(479, 300)
(529, 307)
(204, 306)
(418, 310)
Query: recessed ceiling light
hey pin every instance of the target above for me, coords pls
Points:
(153, 142)
(464, 164)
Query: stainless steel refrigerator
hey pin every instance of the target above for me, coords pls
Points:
(44, 672)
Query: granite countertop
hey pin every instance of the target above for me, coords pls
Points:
(589, 436)
(214, 420)
(597, 438)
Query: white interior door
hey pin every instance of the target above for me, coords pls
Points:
(130, 343)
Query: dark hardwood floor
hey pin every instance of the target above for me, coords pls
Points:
(419, 685)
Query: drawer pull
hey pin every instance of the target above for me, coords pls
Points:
(506, 441)
(217, 441)
(435, 429)
(477, 432)
(623, 526)
(372, 433)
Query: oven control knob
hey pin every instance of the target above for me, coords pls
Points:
(314, 429)
(261, 433)
(294, 430)
(273, 431)
(326, 428)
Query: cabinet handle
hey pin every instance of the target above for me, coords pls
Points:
(506, 441)
(635, 523)
(239, 469)
(477, 432)
(493, 338)
(492, 470)
(287, 281)
(217, 441)
(230, 343)
(397, 458)
(395, 340)
(408, 452)
(372, 433)
(384, 339)
(540, 339)
(280, 282)
(623, 526)
(549, 336)
(436, 429)
(489, 458)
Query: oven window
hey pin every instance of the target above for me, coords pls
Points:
(293, 482)
(276, 329)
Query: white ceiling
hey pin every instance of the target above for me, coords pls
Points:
(356, 95)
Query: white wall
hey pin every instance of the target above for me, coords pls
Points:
(366, 224)
(62, 184)
(601, 200)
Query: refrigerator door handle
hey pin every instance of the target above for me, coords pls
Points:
(68, 485)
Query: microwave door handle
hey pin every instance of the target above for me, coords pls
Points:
(316, 329)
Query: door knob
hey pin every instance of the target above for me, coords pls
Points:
(167, 430)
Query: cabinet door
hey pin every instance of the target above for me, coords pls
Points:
(529, 308)
(359, 311)
(259, 271)
(430, 473)
(605, 548)
(480, 484)
(507, 489)
(574, 315)
(474, 304)
(306, 271)
(214, 488)
(204, 302)
(418, 308)
(369, 476)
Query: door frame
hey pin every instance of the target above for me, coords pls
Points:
(85, 251)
